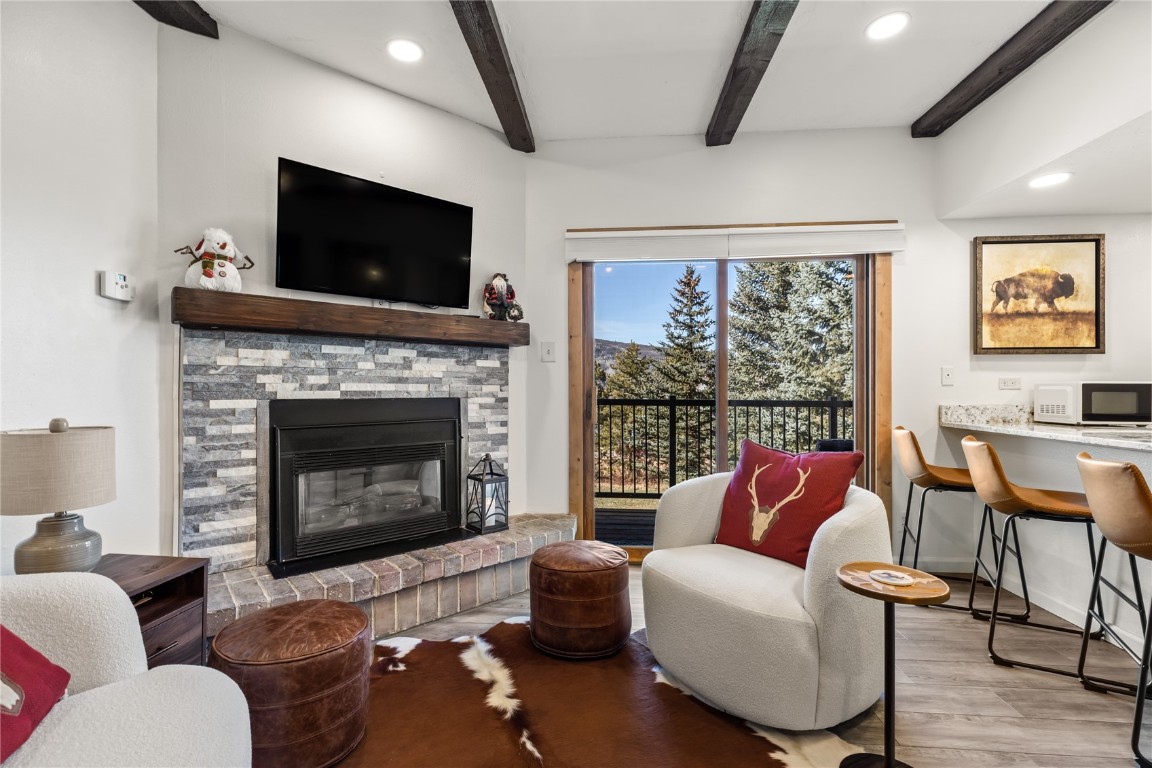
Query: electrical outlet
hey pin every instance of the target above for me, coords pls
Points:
(946, 373)
(1009, 382)
(547, 351)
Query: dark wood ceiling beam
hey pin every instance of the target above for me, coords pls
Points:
(762, 35)
(1057, 21)
(481, 29)
(182, 14)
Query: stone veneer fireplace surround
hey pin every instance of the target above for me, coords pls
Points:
(239, 352)
(228, 378)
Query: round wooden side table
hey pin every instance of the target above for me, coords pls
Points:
(920, 588)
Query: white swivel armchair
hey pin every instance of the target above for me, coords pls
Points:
(757, 637)
(117, 711)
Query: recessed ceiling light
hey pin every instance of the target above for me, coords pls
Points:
(1049, 180)
(405, 50)
(887, 26)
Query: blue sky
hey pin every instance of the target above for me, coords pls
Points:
(632, 298)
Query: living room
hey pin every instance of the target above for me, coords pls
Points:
(124, 138)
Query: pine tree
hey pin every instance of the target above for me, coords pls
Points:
(688, 367)
(631, 374)
(688, 371)
(757, 314)
(599, 379)
(791, 331)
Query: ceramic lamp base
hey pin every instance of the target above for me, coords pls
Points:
(61, 543)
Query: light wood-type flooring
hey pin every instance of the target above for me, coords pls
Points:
(955, 708)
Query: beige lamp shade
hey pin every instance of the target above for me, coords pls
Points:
(52, 471)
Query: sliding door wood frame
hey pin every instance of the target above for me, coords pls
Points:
(581, 400)
(872, 425)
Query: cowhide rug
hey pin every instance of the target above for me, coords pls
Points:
(495, 701)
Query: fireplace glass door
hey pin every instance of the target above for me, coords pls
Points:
(335, 499)
(359, 479)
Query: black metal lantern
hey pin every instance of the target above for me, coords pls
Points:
(487, 497)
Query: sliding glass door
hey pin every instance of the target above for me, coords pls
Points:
(692, 358)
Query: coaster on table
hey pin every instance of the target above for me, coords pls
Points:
(894, 578)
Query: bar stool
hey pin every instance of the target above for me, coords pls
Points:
(1021, 503)
(927, 477)
(1122, 506)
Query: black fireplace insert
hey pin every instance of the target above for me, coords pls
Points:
(354, 480)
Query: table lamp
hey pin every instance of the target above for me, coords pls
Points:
(51, 471)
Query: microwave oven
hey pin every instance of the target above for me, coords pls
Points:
(1094, 402)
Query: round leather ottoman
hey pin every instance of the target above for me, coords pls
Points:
(579, 599)
(304, 670)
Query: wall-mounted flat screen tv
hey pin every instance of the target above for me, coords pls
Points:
(344, 235)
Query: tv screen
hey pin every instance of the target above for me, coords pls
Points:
(344, 235)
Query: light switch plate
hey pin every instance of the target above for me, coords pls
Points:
(547, 351)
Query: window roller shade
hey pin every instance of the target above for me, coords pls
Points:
(734, 242)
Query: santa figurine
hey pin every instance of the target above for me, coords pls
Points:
(499, 298)
(213, 265)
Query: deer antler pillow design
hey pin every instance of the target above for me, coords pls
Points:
(776, 499)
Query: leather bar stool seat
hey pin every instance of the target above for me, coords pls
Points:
(579, 599)
(1020, 503)
(304, 669)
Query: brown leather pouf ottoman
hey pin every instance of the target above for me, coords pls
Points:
(579, 598)
(304, 669)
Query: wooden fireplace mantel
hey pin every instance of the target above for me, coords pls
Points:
(216, 310)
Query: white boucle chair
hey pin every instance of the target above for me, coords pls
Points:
(117, 711)
(757, 637)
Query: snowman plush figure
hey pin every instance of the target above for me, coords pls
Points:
(213, 264)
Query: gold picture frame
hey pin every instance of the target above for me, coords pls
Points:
(1038, 295)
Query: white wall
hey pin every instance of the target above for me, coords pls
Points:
(230, 107)
(1088, 86)
(825, 176)
(766, 177)
(79, 195)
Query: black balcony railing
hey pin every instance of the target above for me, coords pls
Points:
(643, 447)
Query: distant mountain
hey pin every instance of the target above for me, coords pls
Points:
(606, 351)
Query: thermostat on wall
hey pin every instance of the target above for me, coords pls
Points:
(117, 285)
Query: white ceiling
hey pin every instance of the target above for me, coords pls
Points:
(591, 69)
(617, 68)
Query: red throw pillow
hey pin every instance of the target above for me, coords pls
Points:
(30, 685)
(776, 500)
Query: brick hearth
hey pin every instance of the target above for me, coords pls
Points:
(401, 591)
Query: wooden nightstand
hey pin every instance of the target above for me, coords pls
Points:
(170, 596)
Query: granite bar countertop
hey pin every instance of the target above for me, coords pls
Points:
(1016, 420)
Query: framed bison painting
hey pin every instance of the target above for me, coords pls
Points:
(1038, 295)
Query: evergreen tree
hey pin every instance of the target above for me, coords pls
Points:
(599, 379)
(687, 371)
(791, 333)
(631, 374)
(628, 436)
(758, 312)
(821, 355)
(688, 367)
(790, 328)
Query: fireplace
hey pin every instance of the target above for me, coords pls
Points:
(359, 479)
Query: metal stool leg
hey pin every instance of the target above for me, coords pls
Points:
(1141, 694)
(987, 522)
(1010, 527)
(1096, 613)
(907, 531)
(920, 528)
